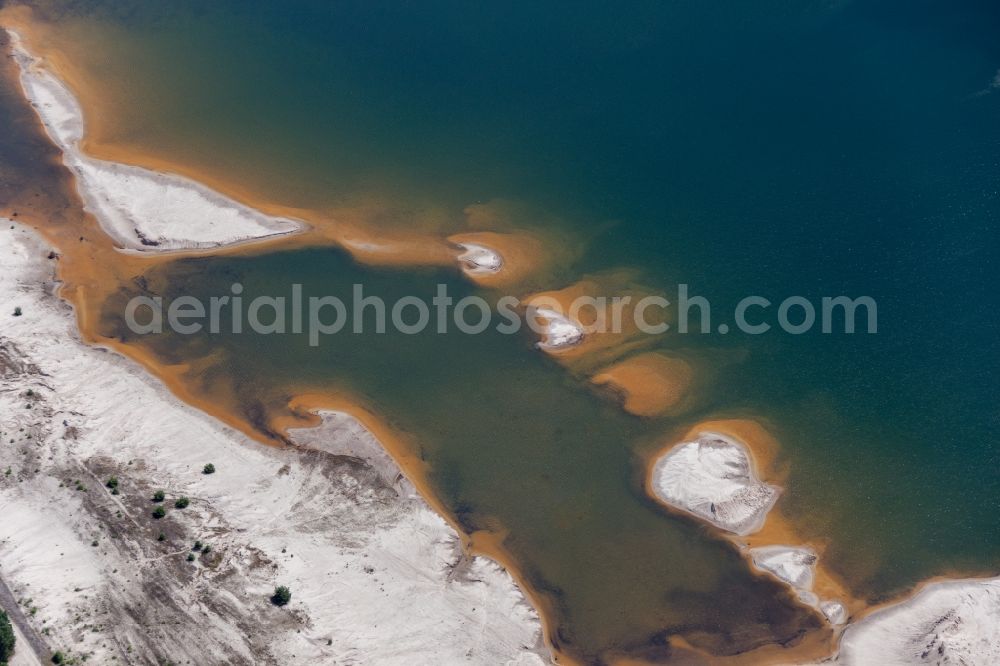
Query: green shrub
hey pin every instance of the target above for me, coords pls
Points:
(208, 469)
(159, 512)
(7, 638)
(190, 557)
(159, 496)
(197, 546)
(112, 482)
(57, 657)
(181, 503)
(282, 595)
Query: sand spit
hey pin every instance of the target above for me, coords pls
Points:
(376, 575)
(713, 478)
(946, 622)
(141, 210)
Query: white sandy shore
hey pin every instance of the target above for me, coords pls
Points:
(713, 478)
(477, 259)
(948, 622)
(376, 575)
(140, 209)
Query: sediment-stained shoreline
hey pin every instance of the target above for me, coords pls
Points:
(114, 266)
(357, 548)
(279, 430)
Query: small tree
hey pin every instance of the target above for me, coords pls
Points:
(282, 595)
(181, 503)
(7, 639)
(159, 512)
(208, 469)
(159, 496)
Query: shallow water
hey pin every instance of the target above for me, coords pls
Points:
(513, 443)
(811, 149)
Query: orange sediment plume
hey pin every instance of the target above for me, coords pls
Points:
(92, 270)
(604, 308)
(651, 384)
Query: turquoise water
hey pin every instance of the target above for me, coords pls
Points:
(778, 149)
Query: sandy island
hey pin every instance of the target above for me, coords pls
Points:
(714, 477)
(374, 571)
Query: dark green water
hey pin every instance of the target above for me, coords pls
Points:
(513, 442)
(773, 148)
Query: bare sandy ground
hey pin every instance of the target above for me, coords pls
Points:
(140, 209)
(712, 476)
(376, 575)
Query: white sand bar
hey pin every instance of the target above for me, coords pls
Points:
(558, 330)
(140, 209)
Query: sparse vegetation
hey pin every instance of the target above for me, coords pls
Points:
(17, 311)
(208, 469)
(190, 557)
(207, 549)
(58, 657)
(197, 546)
(159, 512)
(7, 638)
(159, 496)
(161, 537)
(181, 503)
(113, 485)
(282, 595)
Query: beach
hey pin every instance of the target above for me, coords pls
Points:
(347, 492)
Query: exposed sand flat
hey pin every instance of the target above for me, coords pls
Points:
(713, 478)
(140, 209)
(793, 565)
(376, 575)
(558, 331)
(479, 260)
(796, 565)
(947, 622)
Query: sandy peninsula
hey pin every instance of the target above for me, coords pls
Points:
(374, 572)
(714, 477)
(142, 210)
